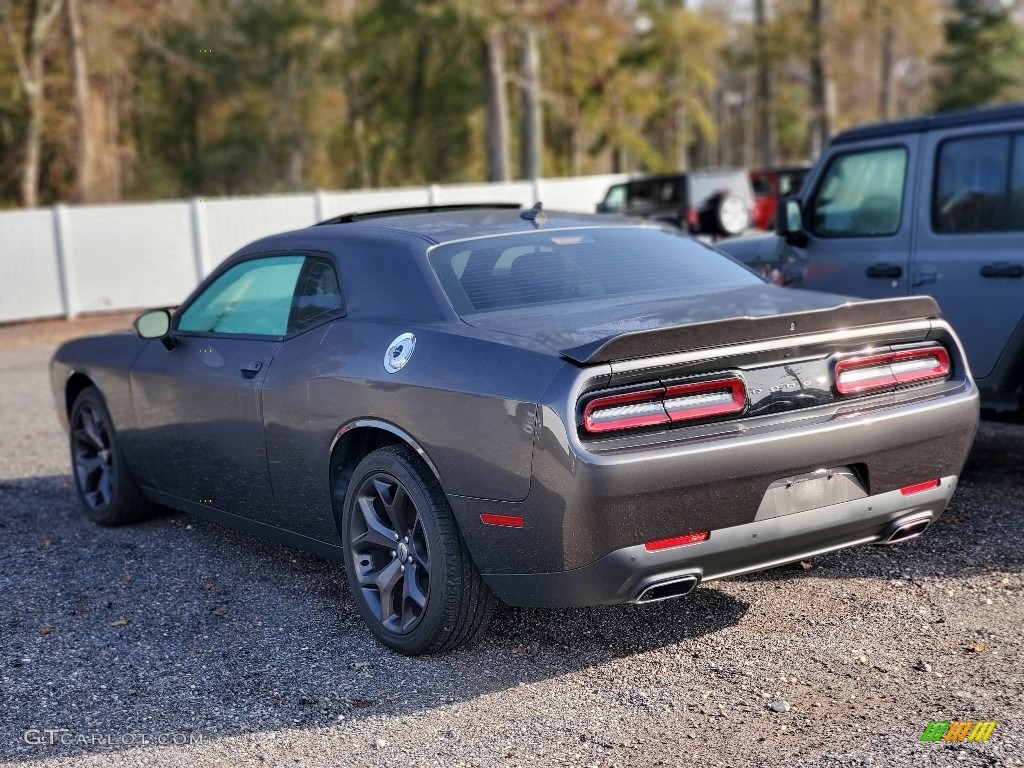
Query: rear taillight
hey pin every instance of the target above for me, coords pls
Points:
(860, 375)
(664, 405)
(635, 409)
(705, 399)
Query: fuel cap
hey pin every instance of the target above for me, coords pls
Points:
(399, 352)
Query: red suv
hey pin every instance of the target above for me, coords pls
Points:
(769, 185)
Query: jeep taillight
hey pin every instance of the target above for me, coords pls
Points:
(663, 405)
(888, 370)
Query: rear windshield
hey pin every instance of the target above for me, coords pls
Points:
(567, 266)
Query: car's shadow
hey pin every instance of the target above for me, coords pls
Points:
(180, 625)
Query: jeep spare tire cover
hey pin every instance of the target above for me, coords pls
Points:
(733, 214)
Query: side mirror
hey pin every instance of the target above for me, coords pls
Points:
(155, 324)
(789, 221)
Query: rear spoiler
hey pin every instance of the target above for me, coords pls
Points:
(737, 330)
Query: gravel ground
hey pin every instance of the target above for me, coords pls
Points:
(178, 626)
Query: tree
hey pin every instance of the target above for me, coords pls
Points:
(821, 118)
(981, 63)
(497, 106)
(769, 150)
(84, 148)
(29, 49)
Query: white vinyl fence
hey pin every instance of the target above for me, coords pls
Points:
(69, 260)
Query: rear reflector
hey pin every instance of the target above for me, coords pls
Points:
(677, 541)
(680, 402)
(509, 521)
(908, 490)
(888, 370)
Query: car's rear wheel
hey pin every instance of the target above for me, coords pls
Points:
(409, 570)
(106, 488)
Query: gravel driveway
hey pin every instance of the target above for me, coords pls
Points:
(136, 639)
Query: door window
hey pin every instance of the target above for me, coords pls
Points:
(861, 194)
(616, 198)
(971, 186)
(251, 298)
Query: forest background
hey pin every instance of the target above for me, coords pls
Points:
(111, 100)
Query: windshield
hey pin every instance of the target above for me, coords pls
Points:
(568, 266)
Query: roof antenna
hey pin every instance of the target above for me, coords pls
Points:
(534, 215)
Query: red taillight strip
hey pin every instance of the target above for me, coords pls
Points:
(705, 398)
(909, 490)
(858, 375)
(677, 541)
(634, 409)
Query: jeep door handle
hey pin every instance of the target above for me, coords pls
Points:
(251, 368)
(884, 270)
(1002, 269)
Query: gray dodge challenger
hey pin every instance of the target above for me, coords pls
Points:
(475, 403)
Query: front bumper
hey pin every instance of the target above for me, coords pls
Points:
(627, 573)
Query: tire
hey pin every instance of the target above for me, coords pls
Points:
(106, 488)
(409, 570)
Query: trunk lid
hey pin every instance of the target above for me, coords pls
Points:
(606, 331)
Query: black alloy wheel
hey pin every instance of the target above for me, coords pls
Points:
(412, 577)
(106, 488)
(93, 458)
(390, 551)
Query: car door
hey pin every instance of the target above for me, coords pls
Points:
(299, 472)
(199, 403)
(858, 223)
(969, 253)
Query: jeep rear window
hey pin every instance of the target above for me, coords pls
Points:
(575, 265)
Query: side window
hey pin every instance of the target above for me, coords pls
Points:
(317, 296)
(861, 194)
(615, 200)
(970, 185)
(640, 194)
(253, 297)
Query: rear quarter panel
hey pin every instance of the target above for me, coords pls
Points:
(468, 403)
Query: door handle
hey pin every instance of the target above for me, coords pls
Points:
(1002, 269)
(251, 368)
(884, 270)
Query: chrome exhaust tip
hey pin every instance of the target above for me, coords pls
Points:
(668, 589)
(905, 530)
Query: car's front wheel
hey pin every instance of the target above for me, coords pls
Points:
(108, 492)
(410, 572)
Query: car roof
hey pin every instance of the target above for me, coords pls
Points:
(932, 122)
(700, 173)
(444, 224)
(432, 225)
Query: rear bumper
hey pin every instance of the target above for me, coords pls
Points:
(625, 574)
